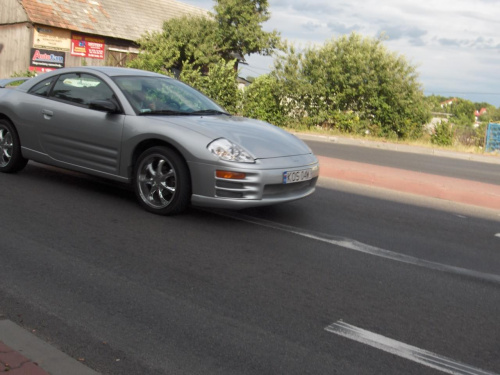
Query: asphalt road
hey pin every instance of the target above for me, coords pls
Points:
(254, 291)
(417, 162)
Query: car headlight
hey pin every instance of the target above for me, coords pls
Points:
(228, 151)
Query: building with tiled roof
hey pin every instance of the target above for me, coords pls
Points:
(481, 112)
(448, 102)
(75, 32)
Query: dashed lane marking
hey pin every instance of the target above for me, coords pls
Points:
(350, 244)
(403, 350)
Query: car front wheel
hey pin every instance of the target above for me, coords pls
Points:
(11, 159)
(162, 182)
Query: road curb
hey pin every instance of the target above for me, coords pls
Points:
(39, 353)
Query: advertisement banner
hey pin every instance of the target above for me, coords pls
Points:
(51, 38)
(42, 58)
(87, 46)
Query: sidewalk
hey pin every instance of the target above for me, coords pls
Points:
(446, 188)
(22, 353)
(15, 363)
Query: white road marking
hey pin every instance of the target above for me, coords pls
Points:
(497, 235)
(403, 350)
(350, 244)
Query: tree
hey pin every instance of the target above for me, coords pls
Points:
(261, 101)
(218, 83)
(233, 31)
(481, 105)
(186, 39)
(240, 28)
(463, 112)
(434, 101)
(443, 134)
(494, 115)
(355, 75)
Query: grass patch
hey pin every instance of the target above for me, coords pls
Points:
(425, 141)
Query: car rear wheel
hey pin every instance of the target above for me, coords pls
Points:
(11, 159)
(162, 182)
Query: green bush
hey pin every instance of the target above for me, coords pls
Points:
(354, 74)
(443, 134)
(470, 135)
(345, 122)
(261, 101)
(219, 83)
(27, 73)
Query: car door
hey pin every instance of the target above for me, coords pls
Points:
(71, 132)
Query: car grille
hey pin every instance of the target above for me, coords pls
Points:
(249, 189)
(284, 190)
(233, 189)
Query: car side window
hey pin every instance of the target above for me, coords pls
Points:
(42, 88)
(81, 89)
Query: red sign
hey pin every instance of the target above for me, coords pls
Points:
(40, 70)
(87, 46)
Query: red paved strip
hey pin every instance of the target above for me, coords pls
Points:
(14, 363)
(451, 189)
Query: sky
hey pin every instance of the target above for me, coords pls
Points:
(455, 44)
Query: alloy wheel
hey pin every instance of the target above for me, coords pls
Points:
(157, 181)
(6, 145)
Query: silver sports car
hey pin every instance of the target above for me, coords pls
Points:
(176, 146)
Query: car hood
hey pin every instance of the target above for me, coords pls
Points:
(261, 139)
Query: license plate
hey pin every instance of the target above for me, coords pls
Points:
(297, 176)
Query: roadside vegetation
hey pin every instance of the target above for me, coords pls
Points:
(351, 85)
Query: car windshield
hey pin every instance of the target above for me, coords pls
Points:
(165, 96)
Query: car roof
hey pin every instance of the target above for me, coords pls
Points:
(110, 71)
(6, 81)
(117, 71)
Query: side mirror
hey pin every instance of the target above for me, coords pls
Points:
(104, 106)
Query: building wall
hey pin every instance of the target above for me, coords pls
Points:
(12, 12)
(15, 38)
(23, 26)
(15, 43)
(118, 53)
(18, 36)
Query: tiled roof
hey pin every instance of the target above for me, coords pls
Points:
(123, 19)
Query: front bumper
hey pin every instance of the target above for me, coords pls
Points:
(262, 186)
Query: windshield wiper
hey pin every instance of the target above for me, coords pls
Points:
(209, 112)
(165, 112)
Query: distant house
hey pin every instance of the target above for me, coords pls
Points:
(448, 102)
(243, 83)
(50, 34)
(479, 113)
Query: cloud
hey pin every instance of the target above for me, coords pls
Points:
(311, 26)
(454, 43)
(313, 7)
(413, 34)
(340, 28)
(480, 43)
(450, 42)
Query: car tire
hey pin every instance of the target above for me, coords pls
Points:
(11, 158)
(162, 182)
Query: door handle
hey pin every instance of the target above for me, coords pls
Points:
(47, 114)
